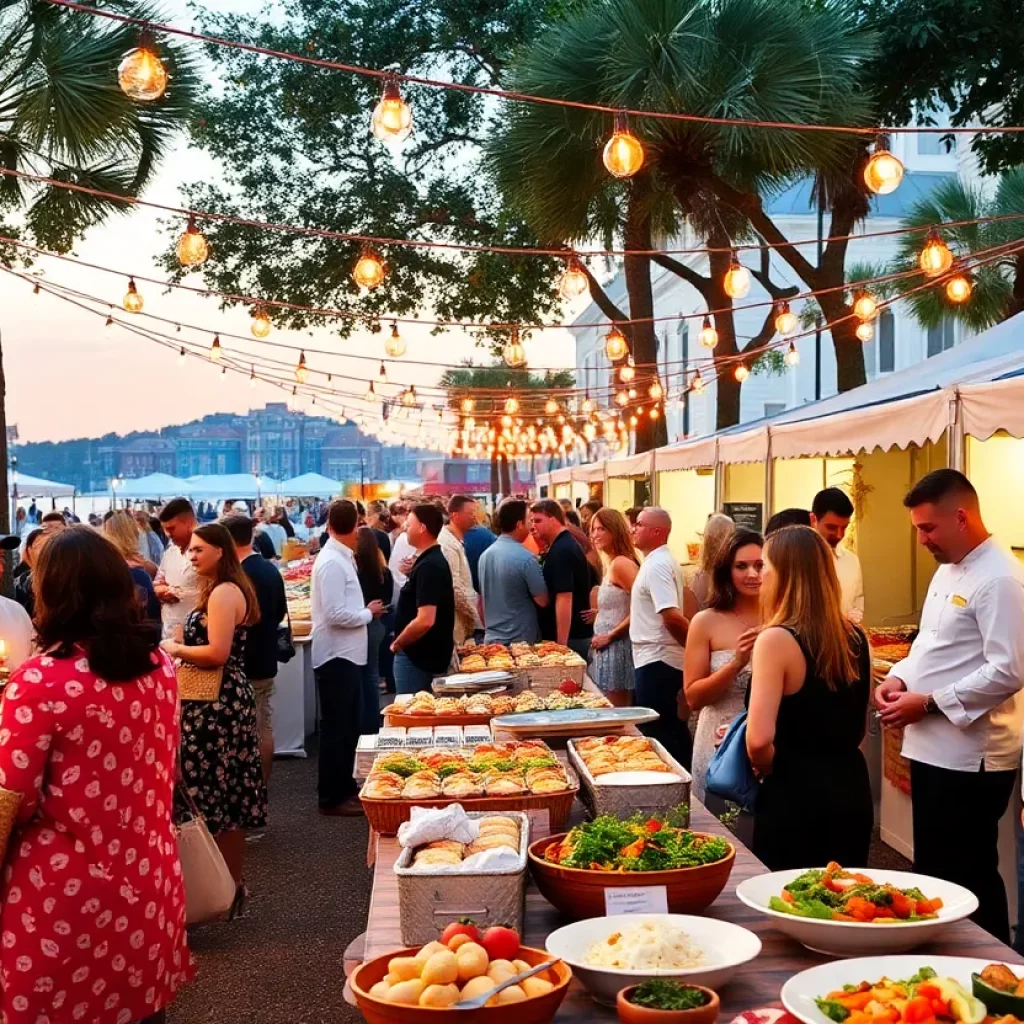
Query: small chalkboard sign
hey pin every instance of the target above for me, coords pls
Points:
(748, 514)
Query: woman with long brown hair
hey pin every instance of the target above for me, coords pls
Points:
(611, 653)
(220, 747)
(120, 529)
(808, 711)
(376, 583)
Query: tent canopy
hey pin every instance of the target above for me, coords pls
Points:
(155, 486)
(310, 485)
(37, 487)
(226, 486)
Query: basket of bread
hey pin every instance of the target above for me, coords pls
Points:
(479, 708)
(547, 664)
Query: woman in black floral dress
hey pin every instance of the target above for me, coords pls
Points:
(220, 756)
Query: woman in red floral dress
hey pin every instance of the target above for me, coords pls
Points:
(92, 910)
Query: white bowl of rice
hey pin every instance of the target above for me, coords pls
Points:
(610, 953)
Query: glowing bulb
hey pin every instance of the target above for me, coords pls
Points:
(142, 75)
(792, 356)
(395, 345)
(409, 396)
(382, 374)
(697, 384)
(392, 118)
(192, 247)
(654, 413)
(883, 172)
(959, 288)
(506, 421)
(216, 352)
(865, 306)
(587, 407)
(301, 369)
(737, 280)
(741, 373)
(785, 320)
(132, 299)
(369, 269)
(511, 405)
(865, 331)
(371, 393)
(623, 152)
(551, 407)
(935, 258)
(513, 353)
(589, 431)
(621, 398)
(633, 421)
(574, 282)
(467, 405)
(470, 424)
(708, 335)
(627, 371)
(615, 346)
(259, 325)
(655, 390)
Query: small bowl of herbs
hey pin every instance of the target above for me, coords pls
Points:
(664, 1001)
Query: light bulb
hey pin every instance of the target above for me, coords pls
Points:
(959, 288)
(409, 396)
(615, 346)
(883, 172)
(589, 431)
(260, 324)
(708, 335)
(467, 405)
(513, 353)
(506, 421)
(369, 269)
(785, 320)
(574, 282)
(371, 393)
(471, 424)
(109, 322)
(627, 371)
(935, 258)
(511, 405)
(301, 369)
(623, 152)
(551, 407)
(654, 413)
(865, 331)
(741, 373)
(865, 306)
(382, 374)
(621, 398)
(737, 280)
(697, 384)
(655, 390)
(631, 393)
(216, 352)
(395, 345)
(792, 355)
(392, 118)
(633, 421)
(192, 247)
(142, 75)
(587, 407)
(132, 299)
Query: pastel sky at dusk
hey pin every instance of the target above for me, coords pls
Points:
(70, 376)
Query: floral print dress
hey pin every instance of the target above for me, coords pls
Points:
(220, 748)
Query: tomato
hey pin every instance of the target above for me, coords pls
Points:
(652, 825)
(501, 943)
(464, 926)
(918, 1010)
(929, 991)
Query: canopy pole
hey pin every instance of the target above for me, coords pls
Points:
(956, 440)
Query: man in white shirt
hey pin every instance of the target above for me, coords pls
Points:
(660, 611)
(340, 616)
(831, 512)
(958, 695)
(462, 515)
(177, 582)
(15, 625)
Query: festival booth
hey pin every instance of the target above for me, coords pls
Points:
(232, 486)
(310, 485)
(628, 481)
(154, 487)
(21, 485)
(685, 485)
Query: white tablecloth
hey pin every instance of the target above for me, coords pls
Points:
(294, 702)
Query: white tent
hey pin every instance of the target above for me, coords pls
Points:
(37, 487)
(154, 486)
(231, 485)
(310, 485)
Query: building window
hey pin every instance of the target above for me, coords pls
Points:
(934, 144)
(942, 336)
(887, 342)
(774, 408)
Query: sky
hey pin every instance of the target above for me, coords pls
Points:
(69, 376)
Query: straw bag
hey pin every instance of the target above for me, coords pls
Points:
(195, 683)
(9, 804)
(209, 887)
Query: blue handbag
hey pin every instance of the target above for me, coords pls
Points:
(729, 773)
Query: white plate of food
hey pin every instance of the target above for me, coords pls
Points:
(571, 722)
(961, 990)
(610, 953)
(872, 910)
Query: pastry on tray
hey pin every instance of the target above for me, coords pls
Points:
(383, 786)
(436, 857)
(504, 784)
(424, 785)
(463, 785)
(491, 842)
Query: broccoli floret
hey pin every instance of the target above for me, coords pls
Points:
(807, 880)
(833, 1010)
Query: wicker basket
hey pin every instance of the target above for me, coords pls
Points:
(195, 683)
(429, 901)
(384, 816)
(622, 801)
(546, 679)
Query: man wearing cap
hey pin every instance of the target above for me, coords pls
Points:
(15, 625)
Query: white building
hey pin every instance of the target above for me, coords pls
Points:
(899, 341)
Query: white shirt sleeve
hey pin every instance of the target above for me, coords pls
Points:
(662, 586)
(400, 551)
(338, 608)
(999, 612)
(857, 604)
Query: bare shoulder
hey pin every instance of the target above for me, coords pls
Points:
(623, 571)
(776, 641)
(226, 596)
(703, 623)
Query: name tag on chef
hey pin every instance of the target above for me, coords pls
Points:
(644, 899)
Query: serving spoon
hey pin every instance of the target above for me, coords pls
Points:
(480, 1001)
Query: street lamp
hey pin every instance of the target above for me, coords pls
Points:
(259, 485)
(115, 482)
(14, 493)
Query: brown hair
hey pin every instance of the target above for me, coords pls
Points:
(85, 597)
(622, 540)
(718, 532)
(229, 570)
(803, 594)
(549, 507)
(121, 530)
(368, 556)
(342, 516)
(723, 591)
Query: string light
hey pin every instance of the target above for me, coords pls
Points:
(382, 374)
(409, 396)
(192, 248)
(216, 352)
(132, 300)
(865, 331)
(589, 431)
(959, 287)
(514, 354)
(371, 393)
(142, 75)
(697, 385)
(883, 172)
(36, 289)
(615, 346)
(301, 369)
(708, 334)
(467, 405)
(655, 390)
(654, 413)
(742, 372)
(785, 319)
(395, 345)
(260, 324)
(252, 376)
(736, 283)
(574, 281)
(623, 152)
(792, 356)
(109, 322)
(621, 398)
(865, 306)
(392, 118)
(935, 258)
(551, 407)
(369, 269)
(631, 394)
(628, 370)
(511, 405)
(588, 405)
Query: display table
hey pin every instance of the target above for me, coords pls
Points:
(294, 702)
(756, 987)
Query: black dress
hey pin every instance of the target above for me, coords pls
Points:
(816, 806)
(220, 747)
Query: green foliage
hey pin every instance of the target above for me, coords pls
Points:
(857, 274)
(479, 382)
(770, 363)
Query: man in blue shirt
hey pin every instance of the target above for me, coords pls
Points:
(476, 541)
(511, 582)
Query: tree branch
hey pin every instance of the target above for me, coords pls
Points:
(776, 291)
(688, 274)
(492, 69)
(763, 336)
(601, 299)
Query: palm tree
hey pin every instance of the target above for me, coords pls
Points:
(63, 116)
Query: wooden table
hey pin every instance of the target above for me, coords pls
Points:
(756, 987)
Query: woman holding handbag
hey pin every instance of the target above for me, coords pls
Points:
(808, 712)
(92, 908)
(220, 750)
(377, 585)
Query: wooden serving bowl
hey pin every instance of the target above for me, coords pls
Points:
(630, 1013)
(579, 892)
(538, 1010)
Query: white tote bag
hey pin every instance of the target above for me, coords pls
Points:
(209, 887)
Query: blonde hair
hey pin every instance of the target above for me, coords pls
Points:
(803, 594)
(622, 540)
(121, 530)
(718, 533)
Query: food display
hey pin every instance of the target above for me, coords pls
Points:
(890, 644)
(496, 831)
(1002, 992)
(481, 657)
(607, 754)
(484, 706)
(297, 581)
(647, 945)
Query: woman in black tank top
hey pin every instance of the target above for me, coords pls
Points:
(808, 702)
